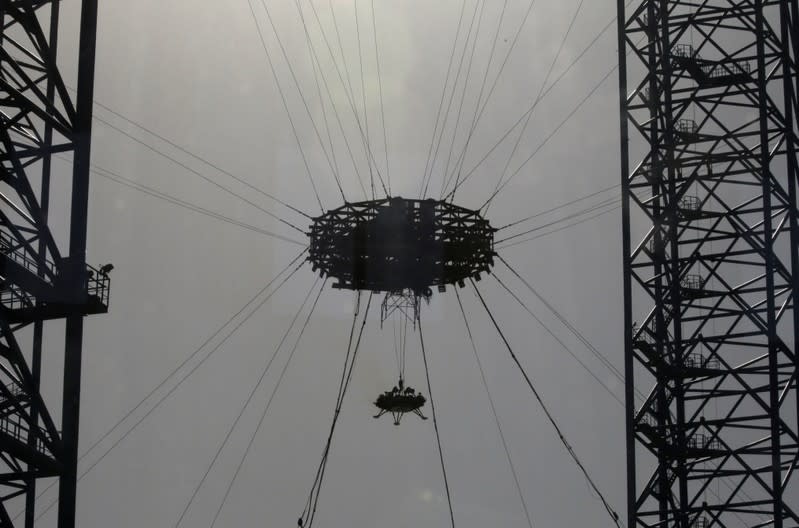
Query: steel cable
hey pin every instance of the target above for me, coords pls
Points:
(285, 103)
(435, 426)
(196, 157)
(250, 396)
(537, 98)
(163, 398)
(611, 513)
(266, 408)
(494, 412)
(309, 512)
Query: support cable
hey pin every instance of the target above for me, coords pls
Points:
(455, 83)
(350, 97)
(328, 91)
(441, 102)
(494, 412)
(309, 512)
(546, 92)
(299, 91)
(462, 157)
(254, 389)
(537, 98)
(380, 94)
(560, 342)
(195, 156)
(561, 206)
(611, 513)
(567, 226)
(601, 357)
(460, 160)
(285, 103)
(341, 401)
(463, 98)
(316, 73)
(199, 174)
(155, 193)
(435, 426)
(590, 209)
(550, 136)
(396, 347)
(180, 382)
(351, 93)
(404, 345)
(266, 408)
(363, 98)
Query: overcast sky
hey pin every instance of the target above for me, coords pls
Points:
(195, 72)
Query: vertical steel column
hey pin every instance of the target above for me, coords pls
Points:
(629, 393)
(77, 261)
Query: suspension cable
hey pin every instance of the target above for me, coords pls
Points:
(537, 98)
(299, 88)
(601, 357)
(613, 515)
(546, 92)
(404, 345)
(329, 93)
(199, 174)
(561, 206)
(435, 426)
(155, 193)
(178, 384)
(195, 156)
(441, 102)
(463, 97)
(567, 226)
(460, 160)
(494, 84)
(494, 412)
(363, 98)
(266, 408)
(451, 98)
(285, 103)
(251, 395)
(316, 73)
(560, 342)
(309, 512)
(552, 134)
(380, 94)
(582, 212)
(350, 96)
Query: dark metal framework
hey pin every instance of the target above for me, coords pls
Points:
(43, 272)
(708, 93)
(394, 245)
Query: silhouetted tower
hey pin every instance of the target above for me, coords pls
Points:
(46, 287)
(709, 182)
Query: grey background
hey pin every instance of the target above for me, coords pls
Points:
(195, 72)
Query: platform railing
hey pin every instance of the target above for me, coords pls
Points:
(19, 431)
(7, 247)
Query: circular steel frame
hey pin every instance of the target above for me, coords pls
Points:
(395, 244)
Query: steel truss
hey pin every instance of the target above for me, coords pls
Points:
(43, 271)
(709, 182)
(394, 244)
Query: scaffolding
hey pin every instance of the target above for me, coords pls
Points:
(709, 179)
(43, 274)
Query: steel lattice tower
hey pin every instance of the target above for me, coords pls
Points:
(709, 182)
(43, 271)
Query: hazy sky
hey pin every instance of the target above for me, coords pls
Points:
(195, 72)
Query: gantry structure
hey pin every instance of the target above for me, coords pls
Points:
(46, 287)
(709, 179)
